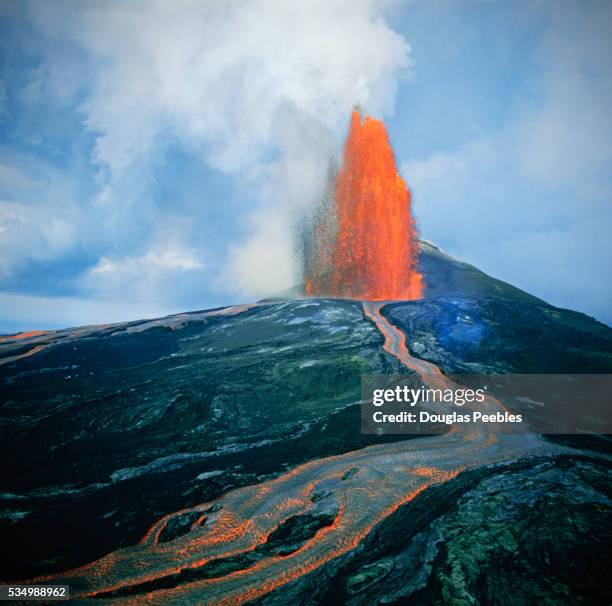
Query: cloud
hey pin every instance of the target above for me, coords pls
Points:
(530, 203)
(4, 112)
(39, 214)
(146, 276)
(565, 131)
(260, 89)
(23, 312)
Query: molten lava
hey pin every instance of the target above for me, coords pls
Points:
(363, 244)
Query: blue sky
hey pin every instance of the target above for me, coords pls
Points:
(154, 156)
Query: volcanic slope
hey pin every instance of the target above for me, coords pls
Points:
(105, 429)
(227, 442)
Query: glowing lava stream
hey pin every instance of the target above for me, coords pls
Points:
(387, 476)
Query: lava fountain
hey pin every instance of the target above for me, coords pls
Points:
(363, 242)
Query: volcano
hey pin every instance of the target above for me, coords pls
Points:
(215, 457)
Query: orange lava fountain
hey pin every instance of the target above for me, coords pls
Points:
(364, 241)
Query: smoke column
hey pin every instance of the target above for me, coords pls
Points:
(362, 242)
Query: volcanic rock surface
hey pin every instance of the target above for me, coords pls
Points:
(150, 430)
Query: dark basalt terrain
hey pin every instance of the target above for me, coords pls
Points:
(103, 434)
(104, 430)
(491, 335)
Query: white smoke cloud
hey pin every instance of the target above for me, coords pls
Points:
(258, 88)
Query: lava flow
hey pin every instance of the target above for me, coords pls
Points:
(363, 244)
(362, 487)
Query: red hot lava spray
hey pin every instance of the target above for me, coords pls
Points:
(363, 242)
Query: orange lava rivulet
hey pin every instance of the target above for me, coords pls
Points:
(372, 252)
